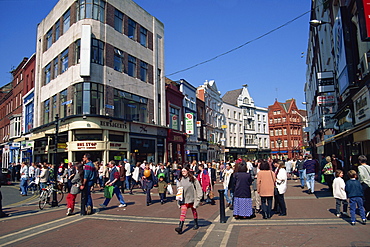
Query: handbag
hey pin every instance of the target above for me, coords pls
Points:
(179, 194)
(108, 191)
(169, 189)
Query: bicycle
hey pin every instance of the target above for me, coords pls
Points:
(46, 193)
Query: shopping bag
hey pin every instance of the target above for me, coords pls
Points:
(108, 191)
(169, 189)
(322, 179)
(180, 191)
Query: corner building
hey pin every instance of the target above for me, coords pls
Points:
(99, 67)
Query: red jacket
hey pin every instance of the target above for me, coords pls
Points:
(204, 180)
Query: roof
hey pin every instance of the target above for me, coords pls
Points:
(231, 97)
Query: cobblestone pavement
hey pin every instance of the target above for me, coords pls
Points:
(311, 221)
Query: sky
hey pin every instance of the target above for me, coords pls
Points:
(269, 60)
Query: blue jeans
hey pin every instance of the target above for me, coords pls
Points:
(228, 199)
(128, 182)
(302, 176)
(89, 201)
(352, 207)
(310, 180)
(23, 186)
(116, 191)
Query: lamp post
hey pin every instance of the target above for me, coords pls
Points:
(54, 202)
(279, 143)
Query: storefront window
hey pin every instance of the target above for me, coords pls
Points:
(88, 137)
(89, 98)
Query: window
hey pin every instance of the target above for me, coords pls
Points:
(284, 131)
(174, 118)
(131, 70)
(130, 106)
(66, 21)
(54, 107)
(271, 133)
(91, 9)
(89, 98)
(63, 103)
(29, 117)
(56, 67)
(77, 51)
(97, 51)
(46, 111)
(64, 60)
(118, 21)
(131, 29)
(49, 38)
(118, 60)
(57, 30)
(143, 71)
(143, 36)
(47, 73)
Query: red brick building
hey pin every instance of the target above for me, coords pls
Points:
(286, 122)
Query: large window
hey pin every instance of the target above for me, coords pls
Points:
(46, 111)
(131, 29)
(130, 106)
(118, 60)
(143, 71)
(64, 60)
(47, 72)
(131, 70)
(49, 38)
(91, 9)
(54, 107)
(29, 117)
(143, 36)
(97, 51)
(174, 118)
(63, 103)
(66, 21)
(118, 21)
(77, 51)
(89, 98)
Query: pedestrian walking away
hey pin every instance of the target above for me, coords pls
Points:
(281, 187)
(76, 181)
(191, 193)
(364, 178)
(265, 188)
(88, 181)
(355, 194)
(339, 193)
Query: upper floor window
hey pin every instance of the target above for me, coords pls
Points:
(56, 67)
(77, 51)
(46, 111)
(97, 51)
(131, 70)
(64, 60)
(49, 38)
(57, 30)
(63, 103)
(66, 21)
(91, 9)
(143, 71)
(47, 72)
(143, 36)
(89, 98)
(118, 21)
(118, 60)
(131, 29)
(130, 106)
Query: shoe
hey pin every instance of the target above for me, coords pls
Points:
(353, 223)
(88, 210)
(162, 202)
(368, 215)
(302, 187)
(282, 214)
(338, 215)
(2, 215)
(179, 228)
(69, 211)
(345, 214)
(364, 221)
(122, 206)
(196, 226)
(147, 203)
(102, 205)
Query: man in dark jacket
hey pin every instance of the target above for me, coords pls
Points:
(301, 171)
(311, 167)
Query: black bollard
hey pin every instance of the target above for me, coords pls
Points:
(222, 206)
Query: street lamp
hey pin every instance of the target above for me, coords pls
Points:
(316, 23)
(279, 143)
(54, 202)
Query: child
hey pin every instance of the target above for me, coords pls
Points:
(339, 193)
(355, 194)
(162, 187)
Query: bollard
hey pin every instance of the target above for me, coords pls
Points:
(222, 206)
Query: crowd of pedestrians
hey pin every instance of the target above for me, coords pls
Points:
(250, 187)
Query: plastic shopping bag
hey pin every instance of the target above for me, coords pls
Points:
(108, 191)
(169, 189)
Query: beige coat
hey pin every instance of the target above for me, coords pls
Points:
(265, 183)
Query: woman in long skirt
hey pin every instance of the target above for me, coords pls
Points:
(242, 194)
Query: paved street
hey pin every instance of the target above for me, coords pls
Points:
(310, 222)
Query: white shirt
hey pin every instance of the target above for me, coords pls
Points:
(339, 188)
(128, 169)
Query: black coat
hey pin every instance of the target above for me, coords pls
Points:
(242, 181)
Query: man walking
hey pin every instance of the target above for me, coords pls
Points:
(127, 166)
(88, 182)
(114, 180)
(311, 167)
(301, 171)
(24, 178)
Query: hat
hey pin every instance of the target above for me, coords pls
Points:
(161, 175)
(125, 160)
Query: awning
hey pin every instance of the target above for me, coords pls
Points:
(345, 133)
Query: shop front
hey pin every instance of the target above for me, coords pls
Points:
(176, 146)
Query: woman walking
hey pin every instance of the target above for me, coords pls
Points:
(265, 188)
(191, 195)
(242, 193)
(328, 173)
(148, 182)
(76, 181)
(281, 186)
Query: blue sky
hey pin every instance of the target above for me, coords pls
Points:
(195, 31)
